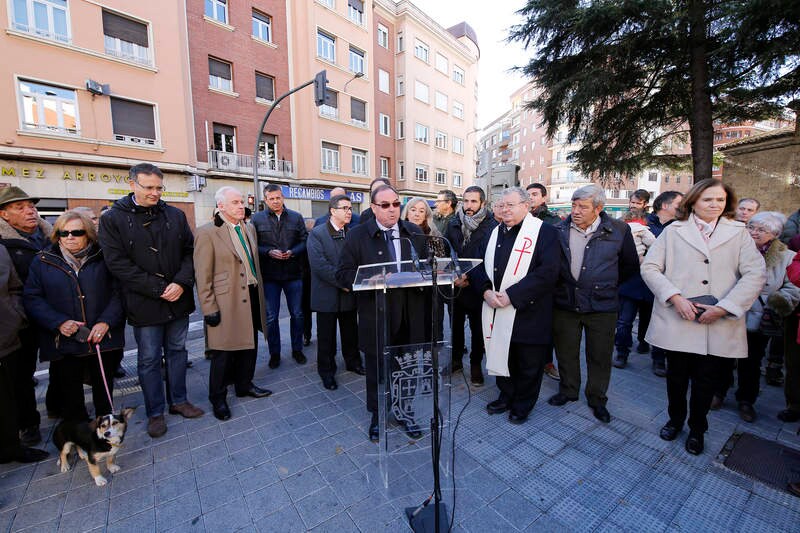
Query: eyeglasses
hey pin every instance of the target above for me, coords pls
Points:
(756, 229)
(158, 188)
(509, 206)
(74, 233)
(344, 208)
(387, 205)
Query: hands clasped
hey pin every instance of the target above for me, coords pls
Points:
(496, 299)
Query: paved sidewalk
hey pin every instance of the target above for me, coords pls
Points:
(300, 460)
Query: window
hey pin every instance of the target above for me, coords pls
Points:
(421, 133)
(421, 173)
(458, 145)
(421, 91)
(458, 109)
(441, 176)
(262, 26)
(384, 124)
(45, 18)
(330, 108)
(125, 38)
(401, 171)
(224, 138)
(666, 178)
(265, 87)
(384, 167)
(359, 161)
(421, 50)
(441, 101)
(330, 157)
(133, 122)
(326, 46)
(383, 81)
(677, 179)
(358, 112)
(401, 42)
(441, 63)
(456, 179)
(268, 150)
(219, 75)
(401, 86)
(652, 176)
(356, 60)
(355, 10)
(458, 75)
(217, 10)
(440, 140)
(48, 108)
(383, 36)
(328, 3)
(515, 138)
(401, 129)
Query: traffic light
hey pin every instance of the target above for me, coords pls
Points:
(320, 87)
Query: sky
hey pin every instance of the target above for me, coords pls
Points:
(491, 21)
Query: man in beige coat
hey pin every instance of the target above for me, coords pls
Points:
(228, 279)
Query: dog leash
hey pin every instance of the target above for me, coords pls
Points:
(103, 373)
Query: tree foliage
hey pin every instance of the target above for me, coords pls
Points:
(624, 75)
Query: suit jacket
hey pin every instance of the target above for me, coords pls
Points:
(222, 286)
(364, 245)
(532, 296)
(327, 216)
(324, 249)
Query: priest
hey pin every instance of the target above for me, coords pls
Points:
(517, 281)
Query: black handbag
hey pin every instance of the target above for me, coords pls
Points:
(771, 323)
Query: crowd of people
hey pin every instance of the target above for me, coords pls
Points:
(713, 281)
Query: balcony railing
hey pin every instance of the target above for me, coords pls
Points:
(243, 164)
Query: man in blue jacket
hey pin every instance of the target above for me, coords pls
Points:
(282, 238)
(148, 246)
(597, 253)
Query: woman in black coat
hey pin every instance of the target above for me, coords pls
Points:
(69, 288)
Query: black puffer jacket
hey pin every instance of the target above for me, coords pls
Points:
(288, 233)
(147, 248)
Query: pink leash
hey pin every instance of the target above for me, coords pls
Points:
(103, 373)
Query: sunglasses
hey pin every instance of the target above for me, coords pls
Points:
(387, 205)
(74, 233)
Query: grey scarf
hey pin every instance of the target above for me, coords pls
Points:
(470, 223)
(77, 259)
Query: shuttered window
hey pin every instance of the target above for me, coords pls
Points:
(265, 87)
(358, 110)
(133, 119)
(124, 29)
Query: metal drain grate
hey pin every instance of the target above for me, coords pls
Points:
(761, 459)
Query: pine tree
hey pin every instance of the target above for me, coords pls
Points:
(625, 75)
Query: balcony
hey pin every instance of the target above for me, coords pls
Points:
(243, 164)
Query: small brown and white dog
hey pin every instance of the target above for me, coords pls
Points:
(94, 441)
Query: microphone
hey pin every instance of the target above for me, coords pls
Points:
(414, 255)
(453, 255)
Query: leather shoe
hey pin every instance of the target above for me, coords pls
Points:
(186, 410)
(794, 488)
(26, 455)
(299, 357)
(358, 369)
(329, 383)
(30, 436)
(222, 411)
(620, 360)
(746, 412)
(476, 375)
(660, 369)
(306, 341)
(156, 426)
(669, 432)
(694, 444)
(559, 399)
(496, 407)
(517, 418)
(601, 413)
(255, 392)
(643, 347)
(412, 430)
(787, 415)
(275, 360)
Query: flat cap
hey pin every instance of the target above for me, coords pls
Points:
(14, 194)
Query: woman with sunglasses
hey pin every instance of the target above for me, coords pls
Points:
(69, 293)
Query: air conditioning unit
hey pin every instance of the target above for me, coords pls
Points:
(227, 161)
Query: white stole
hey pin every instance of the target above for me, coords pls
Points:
(498, 324)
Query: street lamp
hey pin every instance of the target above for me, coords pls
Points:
(355, 76)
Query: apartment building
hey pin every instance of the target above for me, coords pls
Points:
(90, 90)
(239, 59)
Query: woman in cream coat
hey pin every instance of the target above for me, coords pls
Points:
(703, 253)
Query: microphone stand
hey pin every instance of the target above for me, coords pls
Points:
(419, 518)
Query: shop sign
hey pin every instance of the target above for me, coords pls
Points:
(312, 193)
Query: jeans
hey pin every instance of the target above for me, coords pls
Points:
(293, 289)
(168, 339)
(628, 307)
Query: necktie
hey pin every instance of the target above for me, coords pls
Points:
(246, 250)
(390, 243)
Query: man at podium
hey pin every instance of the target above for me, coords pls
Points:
(384, 239)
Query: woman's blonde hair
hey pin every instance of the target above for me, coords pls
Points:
(68, 216)
(428, 227)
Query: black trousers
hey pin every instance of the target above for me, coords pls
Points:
(238, 366)
(68, 375)
(526, 366)
(749, 370)
(460, 315)
(326, 341)
(306, 303)
(699, 370)
(9, 431)
(24, 390)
